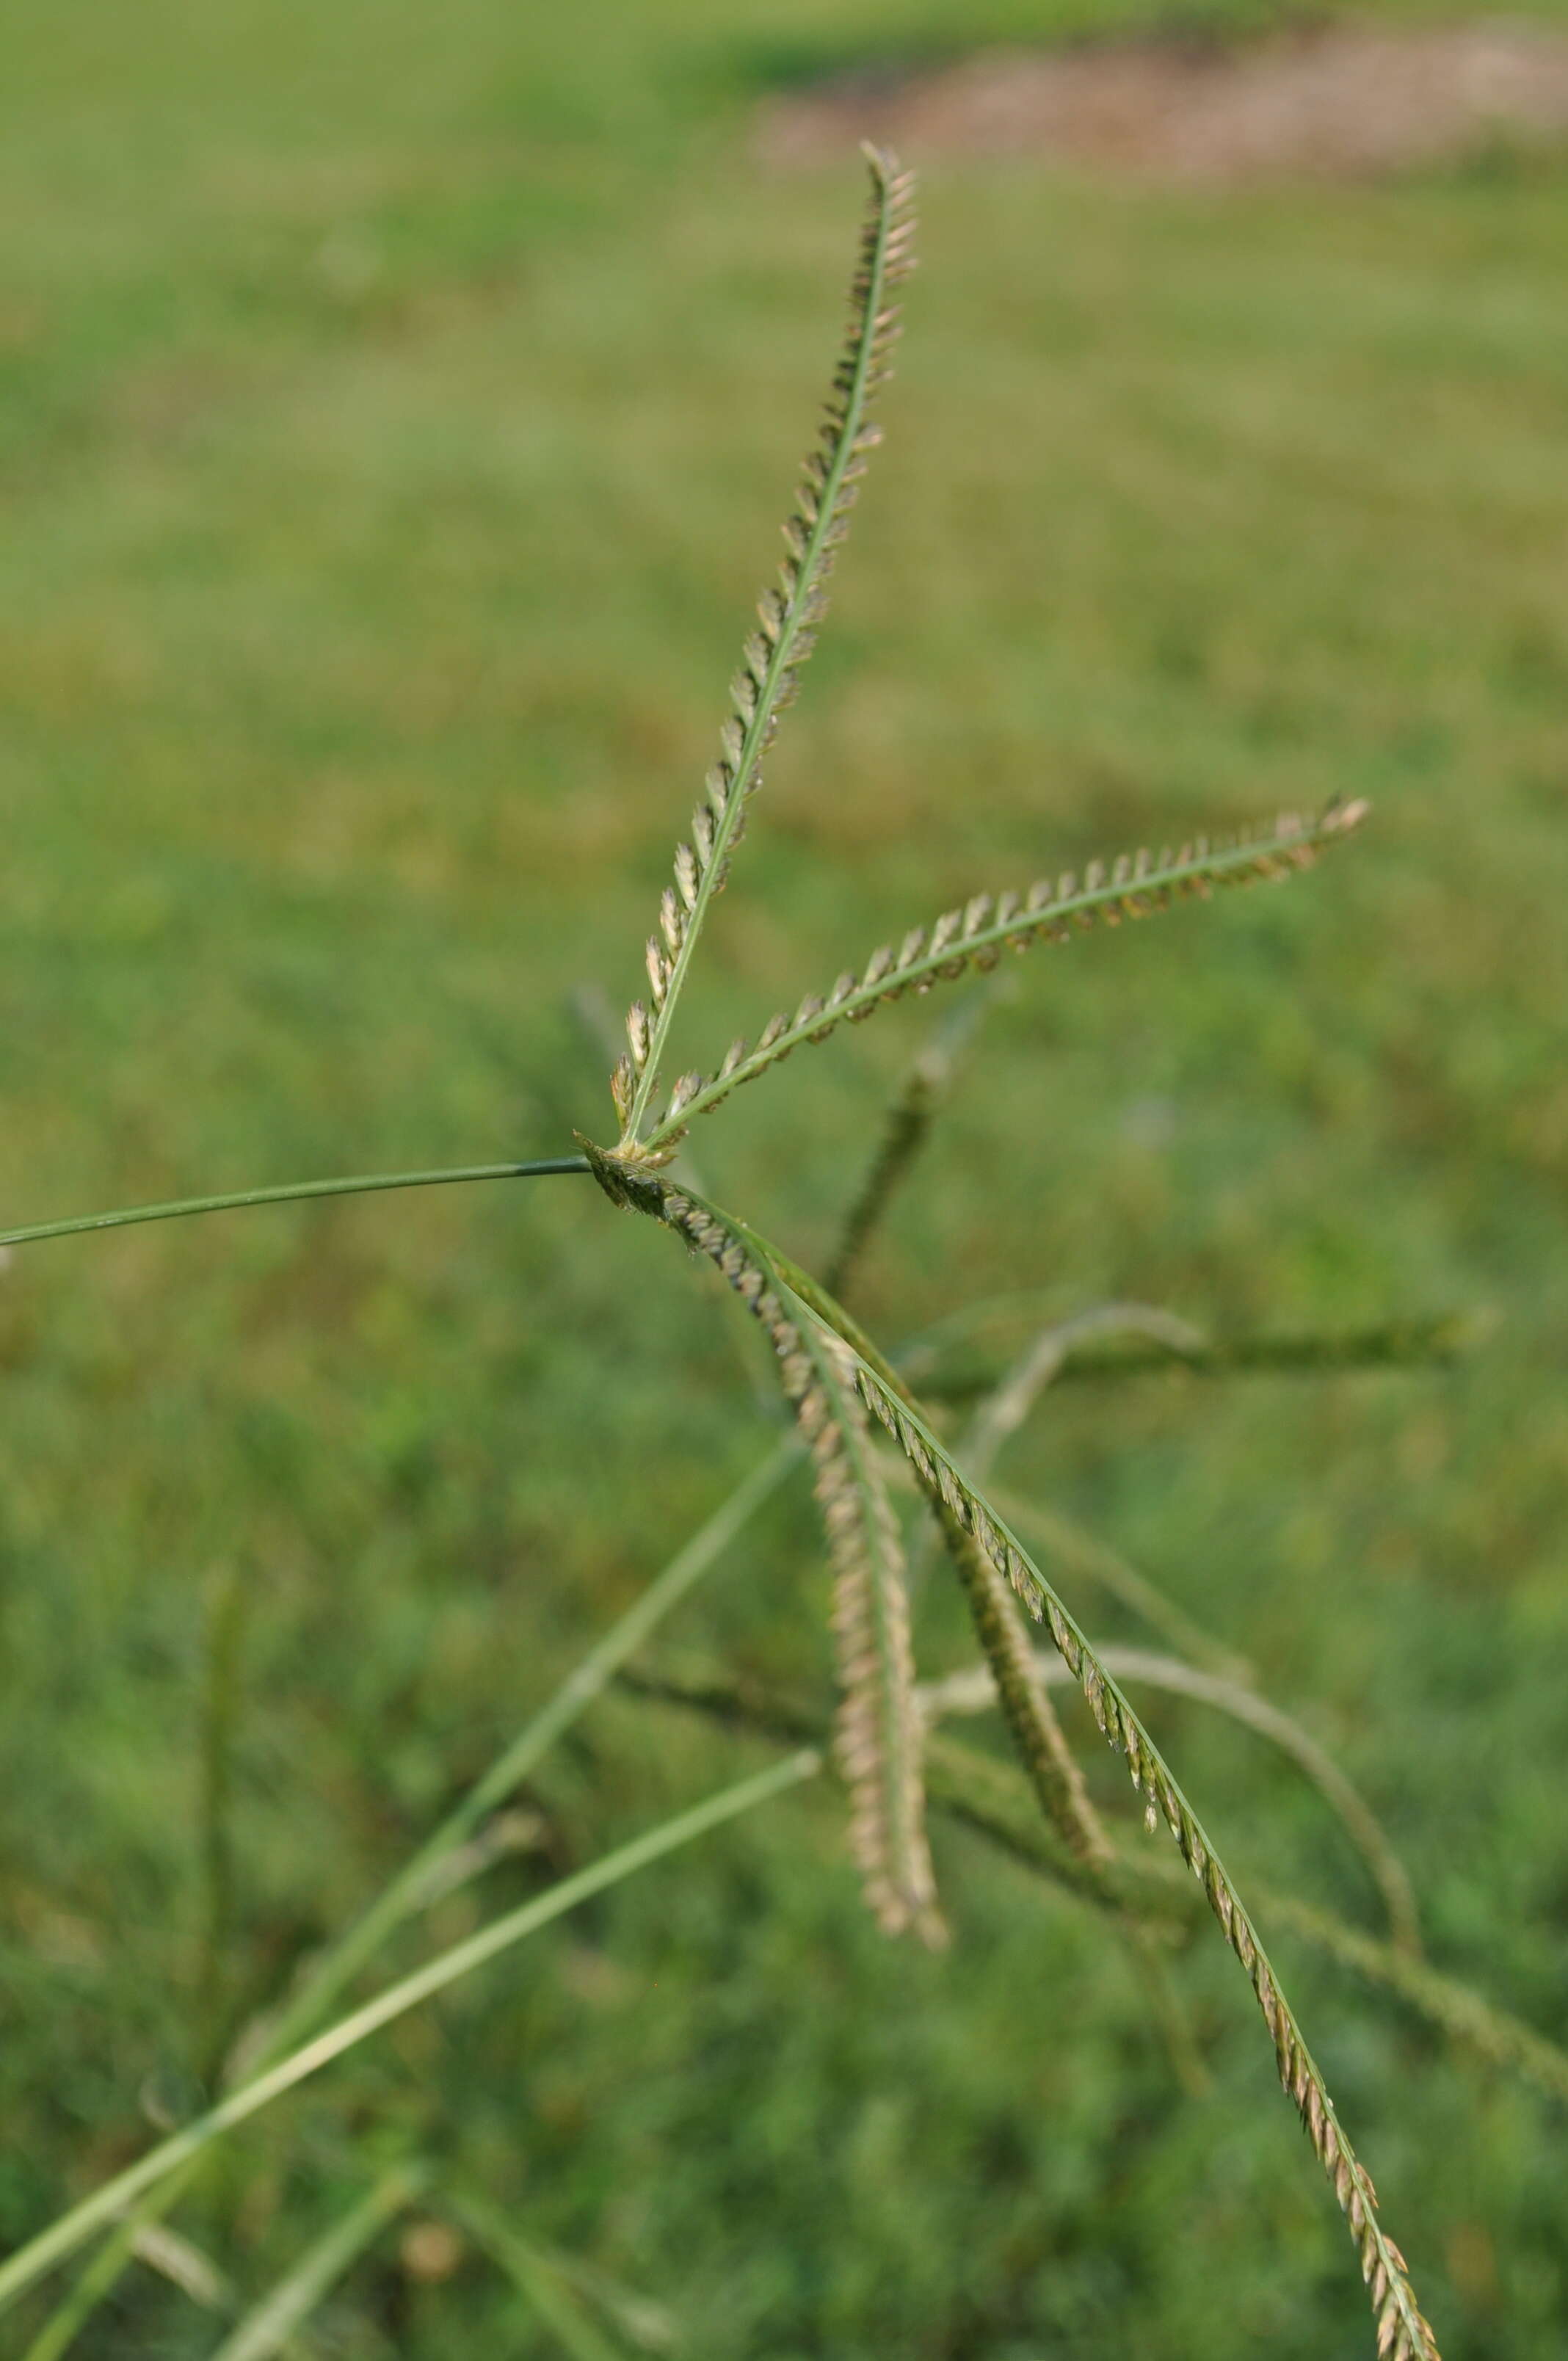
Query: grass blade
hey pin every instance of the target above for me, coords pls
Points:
(773, 656)
(267, 2329)
(537, 2280)
(30, 2263)
(407, 1892)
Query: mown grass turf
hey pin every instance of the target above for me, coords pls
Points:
(398, 409)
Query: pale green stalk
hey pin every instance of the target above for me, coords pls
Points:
(536, 2278)
(30, 2262)
(290, 1192)
(587, 1681)
(267, 2329)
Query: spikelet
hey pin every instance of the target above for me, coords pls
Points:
(975, 936)
(879, 1731)
(787, 617)
(1403, 2333)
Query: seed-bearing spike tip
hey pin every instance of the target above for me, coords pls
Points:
(771, 657)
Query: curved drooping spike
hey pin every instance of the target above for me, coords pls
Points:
(758, 1272)
(879, 1731)
(787, 617)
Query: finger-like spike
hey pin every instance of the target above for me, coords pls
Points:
(771, 657)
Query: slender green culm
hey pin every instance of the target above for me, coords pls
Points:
(773, 656)
(289, 1192)
(268, 2329)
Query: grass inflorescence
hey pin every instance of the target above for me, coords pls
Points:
(849, 1401)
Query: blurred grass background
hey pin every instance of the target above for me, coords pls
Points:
(395, 410)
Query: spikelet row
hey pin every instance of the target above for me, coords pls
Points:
(1403, 2333)
(879, 1732)
(1037, 1734)
(974, 937)
(788, 615)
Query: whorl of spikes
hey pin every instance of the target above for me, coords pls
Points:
(787, 620)
(975, 936)
(879, 1731)
(1403, 2333)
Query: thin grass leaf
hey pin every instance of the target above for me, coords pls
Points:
(972, 1690)
(773, 656)
(420, 1878)
(977, 935)
(878, 1736)
(266, 2330)
(29, 2264)
(537, 2277)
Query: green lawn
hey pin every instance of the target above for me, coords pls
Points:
(395, 410)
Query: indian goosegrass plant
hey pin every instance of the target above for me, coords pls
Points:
(871, 1443)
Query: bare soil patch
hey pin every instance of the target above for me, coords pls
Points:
(1340, 101)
